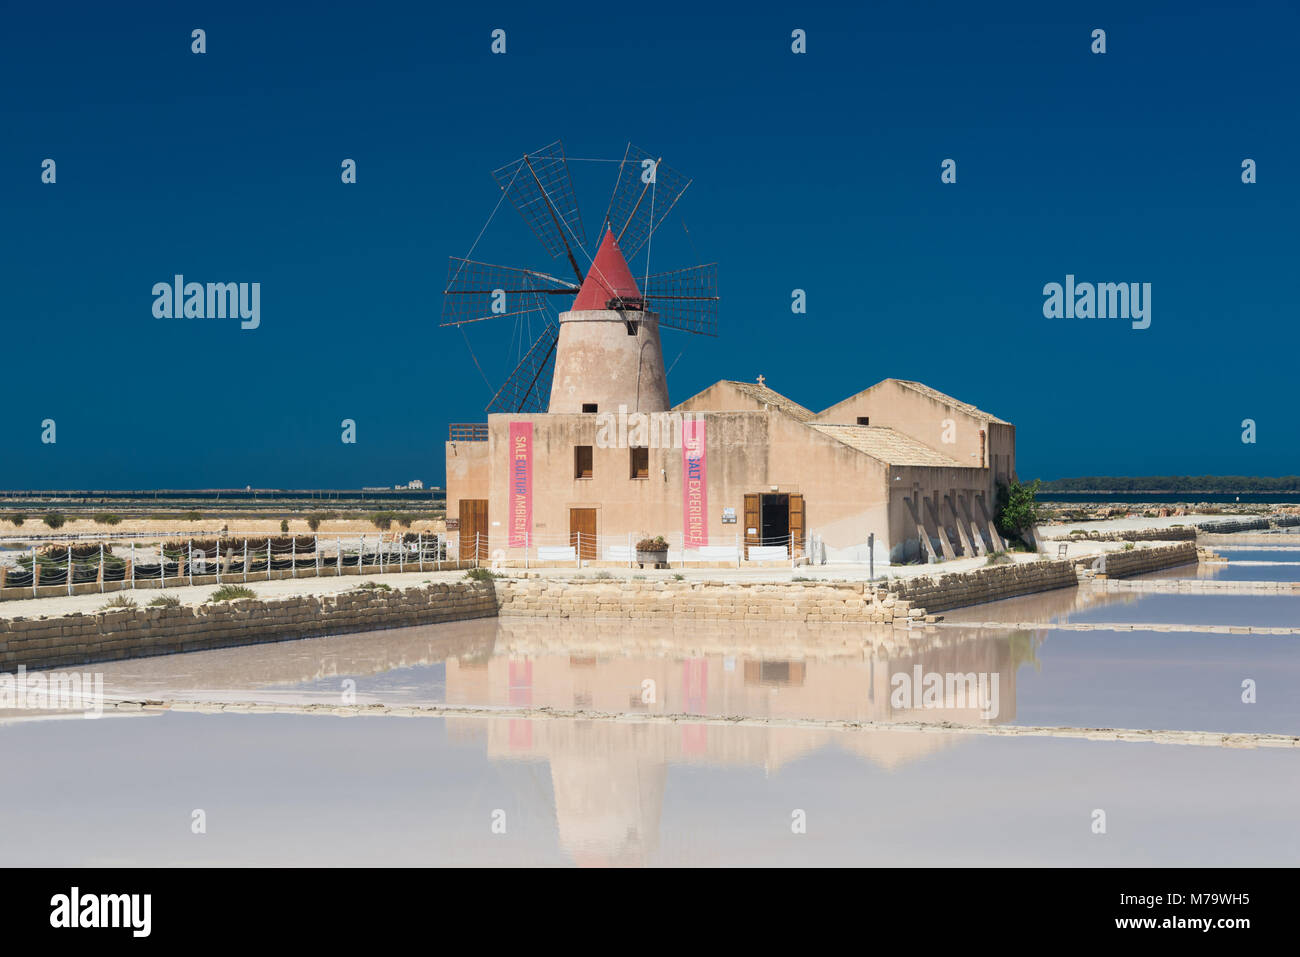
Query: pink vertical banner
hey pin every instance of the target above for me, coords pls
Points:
(521, 483)
(695, 475)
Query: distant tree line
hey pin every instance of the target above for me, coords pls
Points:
(1175, 483)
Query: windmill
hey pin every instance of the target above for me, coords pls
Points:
(539, 186)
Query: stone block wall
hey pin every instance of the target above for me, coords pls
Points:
(78, 639)
(1138, 561)
(957, 589)
(716, 601)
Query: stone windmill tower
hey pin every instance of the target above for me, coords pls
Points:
(604, 351)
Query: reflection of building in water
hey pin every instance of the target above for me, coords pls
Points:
(609, 776)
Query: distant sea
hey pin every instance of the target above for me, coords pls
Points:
(1246, 498)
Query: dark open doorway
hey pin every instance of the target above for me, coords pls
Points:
(774, 522)
(774, 518)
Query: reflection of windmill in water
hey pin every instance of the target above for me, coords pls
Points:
(611, 329)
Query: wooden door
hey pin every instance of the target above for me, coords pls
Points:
(473, 522)
(582, 532)
(753, 521)
(796, 525)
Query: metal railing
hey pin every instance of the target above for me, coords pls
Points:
(467, 432)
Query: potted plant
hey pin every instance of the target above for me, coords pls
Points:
(652, 551)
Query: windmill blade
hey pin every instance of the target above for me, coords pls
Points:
(645, 193)
(539, 186)
(528, 388)
(685, 299)
(476, 291)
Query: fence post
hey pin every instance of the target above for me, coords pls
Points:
(189, 560)
(527, 536)
(101, 568)
(401, 552)
(739, 553)
(361, 556)
(579, 549)
(477, 536)
(420, 546)
(871, 556)
(133, 564)
(69, 568)
(338, 558)
(36, 572)
(317, 544)
(268, 559)
(630, 554)
(245, 559)
(293, 557)
(218, 558)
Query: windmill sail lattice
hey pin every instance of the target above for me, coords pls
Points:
(539, 186)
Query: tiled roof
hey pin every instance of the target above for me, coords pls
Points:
(887, 445)
(938, 396)
(764, 395)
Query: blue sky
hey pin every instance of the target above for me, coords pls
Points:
(818, 171)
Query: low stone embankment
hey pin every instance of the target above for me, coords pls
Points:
(111, 634)
(717, 601)
(958, 589)
(1219, 526)
(139, 632)
(1139, 561)
(1173, 533)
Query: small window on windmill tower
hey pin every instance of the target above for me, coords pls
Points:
(639, 464)
(589, 407)
(864, 420)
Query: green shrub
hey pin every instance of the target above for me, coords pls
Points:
(1129, 546)
(1017, 510)
(383, 520)
(192, 516)
(165, 601)
(54, 520)
(229, 592)
(107, 518)
(375, 586)
(481, 574)
(119, 601)
(679, 578)
(998, 558)
(17, 518)
(656, 544)
(284, 526)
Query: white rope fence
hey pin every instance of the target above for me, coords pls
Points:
(230, 560)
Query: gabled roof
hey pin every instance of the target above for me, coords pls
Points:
(765, 396)
(938, 396)
(887, 445)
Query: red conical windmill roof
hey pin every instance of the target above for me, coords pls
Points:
(609, 278)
